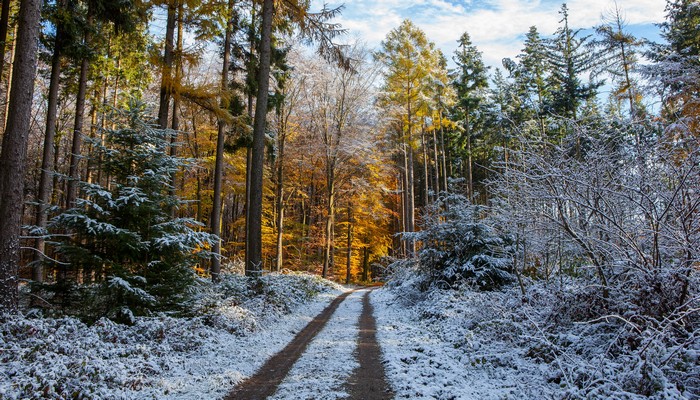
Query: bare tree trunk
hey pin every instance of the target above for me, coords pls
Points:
(73, 172)
(280, 199)
(437, 168)
(249, 150)
(166, 76)
(470, 182)
(328, 248)
(365, 264)
(348, 263)
(47, 165)
(6, 109)
(14, 151)
(426, 180)
(410, 206)
(404, 199)
(254, 222)
(4, 23)
(215, 266)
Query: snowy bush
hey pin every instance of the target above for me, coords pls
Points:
(458, 246)
(59, 358)
(494, 345)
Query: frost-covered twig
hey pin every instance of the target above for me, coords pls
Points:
(605, 318)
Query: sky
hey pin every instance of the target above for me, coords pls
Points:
(496, 27)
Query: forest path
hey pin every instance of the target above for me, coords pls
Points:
(325, 363)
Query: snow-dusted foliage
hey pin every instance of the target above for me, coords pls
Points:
(458, 245)
(447, 344)
(122, 240)
(237, 327)
(608, 221)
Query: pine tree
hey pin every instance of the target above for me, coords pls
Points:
(14, 151)
(124, 236)
(470, 82)
(569, 57)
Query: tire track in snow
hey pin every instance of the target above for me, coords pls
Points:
(368, 382)
(323, 370)
(270, 375)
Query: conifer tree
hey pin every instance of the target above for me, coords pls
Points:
(470, 81)
(124, 236)
(409, 58)
(569, 57)
(617, 56)
(14, 151)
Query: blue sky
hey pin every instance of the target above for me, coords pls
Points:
(497, 27)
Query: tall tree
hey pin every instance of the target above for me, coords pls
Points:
(315, 28)
(254, 217)
(618, 57)
(470, 81)
(124, 15)
(677, 64)
(215, 266)
(408, 58)
(166, 81)
(14, 150)
(4, 24)
(569, 57)
(47, 161)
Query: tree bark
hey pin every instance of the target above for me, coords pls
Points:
(4, 23)
(47, 165)
(215, 266)
(348, 262)
(279, 192)
(365, 264)
(330, 223)
(426, 180)
(166, 77)
(254, 222)
(470, 182)
(14, 151)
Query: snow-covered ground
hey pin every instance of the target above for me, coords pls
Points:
(447, 356)
(324, 368)
(160, 357)
(470, 344)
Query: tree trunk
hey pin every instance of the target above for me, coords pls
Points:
(4, 23)
(348, 263)
(254, 222)
(410, 206)
(215, 266)
(166, 83)
(6, 109)
(14, 151)
(175, 123)
(328, 249)
(470, 182)
(280, 198)
(436, 162)
(426, 180)
(365, 264)
(47, 165)
(73, 172)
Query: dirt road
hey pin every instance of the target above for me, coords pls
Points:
(367, 381)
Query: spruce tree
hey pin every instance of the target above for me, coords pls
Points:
(470, 82)
(123, 237)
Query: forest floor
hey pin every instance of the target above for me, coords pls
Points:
(304, 338)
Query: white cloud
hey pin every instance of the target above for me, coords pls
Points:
(497, 27)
